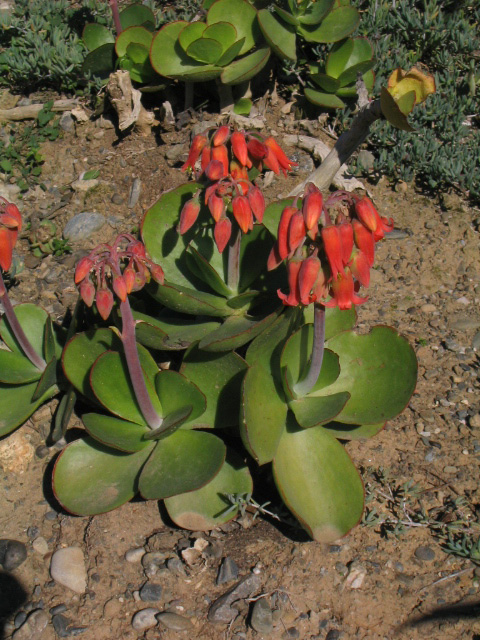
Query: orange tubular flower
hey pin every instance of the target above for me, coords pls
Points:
(216, 206)
(188, 215)
(346, 235)
(222, 233)
(271, 162)
(293, 297)
(285, 163)
(82, 269)
(242, 213)
(10, 225)
(359, 267)
(87, 292)
(239, 148)
(257, 202)
(369, 216)
(343, 292)
(307, 278)
(220, 153)
(257, 149)
(364, 241)
(206, 157)
(296, 232)
(198, 143)
(104, 300)
(120, 287)
(332, 241)
(221, 135)
(312, 208)
(215, 170)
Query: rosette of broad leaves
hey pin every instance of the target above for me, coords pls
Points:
(319, 21)
(337, 79)
(217, 48)
(404, 90)
(128, 51)
(365, 380)
(182, 462)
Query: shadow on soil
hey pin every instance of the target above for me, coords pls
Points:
(12, 597)
(448, 613)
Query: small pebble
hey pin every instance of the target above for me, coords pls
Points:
(150, 592)
(134, 193)
(135, 555)
(42, 451)
(175, 566)
(67, 568)
(261, 619)
(425, 553)
(40, 545)
(227, 571)
(83, 225)
(32, 532)
(290, 633)
(117, 199)
(174, 622)
(20, 619)
(334, 634)
(145, 619)
(51, 515)
(12, 554)
(59, 608)
(474, 421)
(33, 627)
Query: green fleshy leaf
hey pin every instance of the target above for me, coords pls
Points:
(223, 32)
(112, 386)
(191, 32)
(316, 12)
(139, 35)
(170, 332)
(338, 24)
(379, 370)
(205, 50)
(311, 411)
(336, 320)
(208, 507)
(321, 99)
(16, 368)
(49, 345)
(231, 53)
(115, 432)
(95, 35)
(16, 404)
(243, 300)
(137, 15)
(186, 300)
(207, 272)
(254, 249)
(185, 461)
(170, 60)
(285, 15)
(89, 478)
(347, 53)
(235, 332)
(280, 36)
(353, 431)
(319, 483)
(170, 424)
(175, 390)
(101, 61)
(242, 15)
(219, 377)
(138, 53)
(243, 107)
(32, 319)
(325, 82)
(80, 354)
(47, 380)
(272, 214)
(392, 112)
(245, 68)
(63, 414)
(349, 76)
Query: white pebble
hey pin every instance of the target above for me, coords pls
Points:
(68, 569)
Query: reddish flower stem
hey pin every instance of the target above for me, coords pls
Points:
(116, 16)
(233, 274)
(135, 369)
(306, 385)
(17, 330)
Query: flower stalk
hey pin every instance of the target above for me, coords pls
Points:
(304, 387)
(233, 268)
(116, 16)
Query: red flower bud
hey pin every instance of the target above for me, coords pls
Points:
(346, 235)
(296, 232)
(307, 277)
(188, 215)
(237, 171)
(87, 292)
(157, 273)
(257, 202)
(359, 267)
(220, 135)
(198, 143)
(332, 242)
(293, 297)
(8, 221)
(120, 287)
(12, 210)
(222, 233)
(206, 157)
(271, 162)
(312, 208)
(239, 148)
(282, 235)
(138, 249)
(220, 153)
(215, 170)
(256, 149)
(242, 212)
(82, 269)
(367, 214)
(104, 301)
(129, 277)
(216, 206)
(364, 241)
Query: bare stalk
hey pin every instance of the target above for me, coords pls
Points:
(116, 16)
(306, 385)
(233, 273)
(17, 330)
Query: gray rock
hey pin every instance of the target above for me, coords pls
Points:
(150, 592)
(152, 561)
(61, 624)
(117, 199)
(134, 193)
(174, 622)
(135, 555)
(33, 627)
(474, 421)
(425, 553)
(463, 324)
(291, 632)
(40, 545)
(12, 554)
(397, 234)
(176, 153)
(228, 571)
(145, 619)
(175, 566)
(83, 225)
(19, 619)
(222, 611)
(476, 341)
(66, 122)
(262, 620)
(68, 569)
(334, 634)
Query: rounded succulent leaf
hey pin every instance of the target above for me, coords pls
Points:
(328, 100)
(115, 432)
(235, 332)
(346, 54)
(318, 482)
(392, 111)
(32, 319)
(338, 24)
(90, 478)
(353, 431)
(191, 31)
(279, 35)
(174, 391)
(242, 15)
(205, 50)
(184, 461)
(101, 61)
(316, 11)
(223, 32)
(139, 35)
(170, 332)
(94, 35)
(16, 404)
(245, 68)
(137, 15)
(208, 507)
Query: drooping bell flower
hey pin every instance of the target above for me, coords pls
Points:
(198, 143)
(364, 241)
(343, 292)
(120, 287)
(257, 202)
(280, 249)
(221, 135)
(307, 278)
(87, 292)
(284, 162)
(359, 267)
(271, 162)
(242, 212)
(104, 302)
(346, 236)
(239, 148)
(188, 215)
(332, 242)
(205, 159)
(293, 297)
(215, 170)
(312, 207)
(238, 172)
(10, 225)
(220, 153)
(83, 268)
(369, 216)
(256, 149)
(216, 206)
(222, 233)
(296, 232)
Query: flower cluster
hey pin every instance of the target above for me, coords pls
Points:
(225, 158)
(123, 266)
(10, 225)
(329, 247)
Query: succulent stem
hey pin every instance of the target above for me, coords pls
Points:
(134, 367)
(233, 274)
(17, 330)
(116, 16)
(306, 385)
